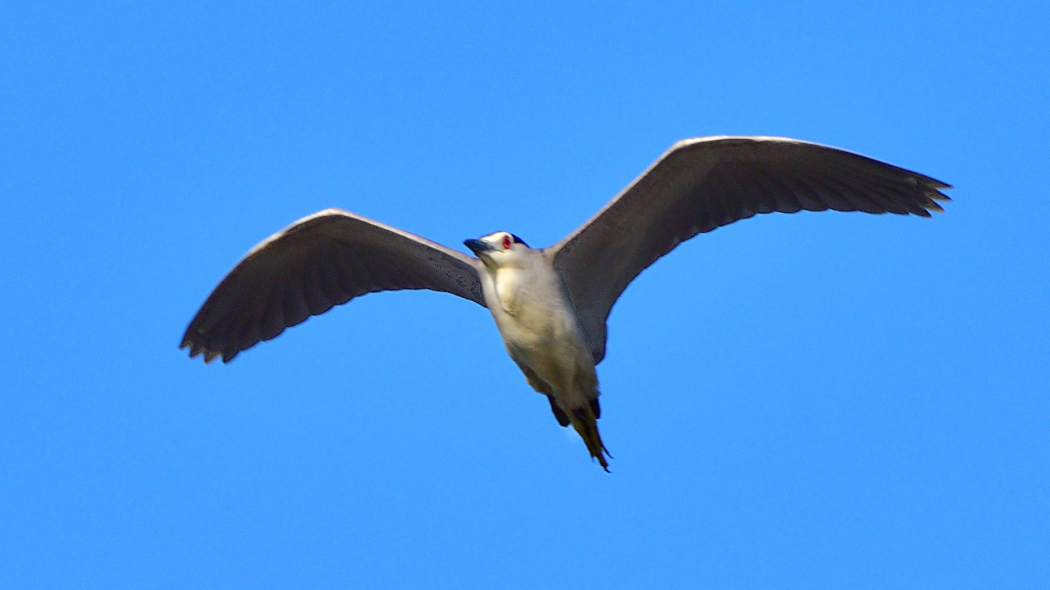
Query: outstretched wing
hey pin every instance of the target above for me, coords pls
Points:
(322, 260)
(704, 183)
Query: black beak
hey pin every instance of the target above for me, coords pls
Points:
(477, 246)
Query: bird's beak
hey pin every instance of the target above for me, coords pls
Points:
(477, 247)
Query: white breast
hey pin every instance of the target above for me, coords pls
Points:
(534, 315)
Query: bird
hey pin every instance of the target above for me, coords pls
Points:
(550, 305)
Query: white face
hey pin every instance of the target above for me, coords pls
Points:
(498, 249)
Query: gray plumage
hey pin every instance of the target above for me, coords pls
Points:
(550, 305)
(322, 260)
(704, 183)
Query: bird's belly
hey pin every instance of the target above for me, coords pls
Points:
(539, 327)
(551, 344)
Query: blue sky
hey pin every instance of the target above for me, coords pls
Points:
(840, 400)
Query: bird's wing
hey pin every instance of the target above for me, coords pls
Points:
(704, 183)
(322, 260)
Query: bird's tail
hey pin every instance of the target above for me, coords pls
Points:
(586, 424)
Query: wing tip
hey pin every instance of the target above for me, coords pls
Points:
(197, 348)
(934, 194)
(188, 342)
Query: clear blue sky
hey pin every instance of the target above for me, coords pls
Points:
(840, 400)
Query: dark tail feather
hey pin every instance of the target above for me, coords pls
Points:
(586, 425)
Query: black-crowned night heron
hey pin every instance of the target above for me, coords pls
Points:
(550, 305)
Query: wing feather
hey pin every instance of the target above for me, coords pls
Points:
(704, 183)
(320, 261)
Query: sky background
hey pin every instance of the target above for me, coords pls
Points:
(819, 400)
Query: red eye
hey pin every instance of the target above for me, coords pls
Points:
(506, 242)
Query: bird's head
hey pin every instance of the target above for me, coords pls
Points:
(500, 249)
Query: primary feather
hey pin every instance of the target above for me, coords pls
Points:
(704, 183)
(322, 260)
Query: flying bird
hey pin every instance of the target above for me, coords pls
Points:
(550, 305)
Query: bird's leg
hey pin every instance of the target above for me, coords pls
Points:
(543, 387)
